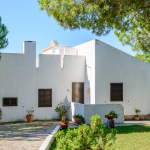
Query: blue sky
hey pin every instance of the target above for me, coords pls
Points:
(25, 22)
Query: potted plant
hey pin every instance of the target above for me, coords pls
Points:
(62, 110)
(64, 123)
(112, 114)
(0, 114)
(30, 115)
(79, 119)
(137, 111)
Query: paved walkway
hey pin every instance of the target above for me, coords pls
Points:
(30, 136)
(126, 123)
(25, 136)
(133, 122)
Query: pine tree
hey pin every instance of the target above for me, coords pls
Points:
(3, 34)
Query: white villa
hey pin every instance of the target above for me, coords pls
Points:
(92, 77)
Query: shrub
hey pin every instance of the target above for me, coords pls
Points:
(112, 113)
(95, 137)
(137, 111)
(79, 116)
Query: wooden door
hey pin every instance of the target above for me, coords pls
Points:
(78, 92)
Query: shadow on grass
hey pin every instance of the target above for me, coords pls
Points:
(132, 129)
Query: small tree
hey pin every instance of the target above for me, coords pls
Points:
(3, 34)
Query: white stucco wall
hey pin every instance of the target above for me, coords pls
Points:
(70, 51)
(88, 49)
(103, 109)
(20, 78)
(89, 110)
(115, 66)
(75, 109)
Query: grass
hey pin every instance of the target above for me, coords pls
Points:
(135, 137)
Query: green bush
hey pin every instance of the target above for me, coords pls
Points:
(95, 137)
(112, 113)
(79, 116)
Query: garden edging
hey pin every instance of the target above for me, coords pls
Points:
(49, 140)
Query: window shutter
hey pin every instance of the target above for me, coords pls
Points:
(13, 102)
(116, 91)
(45, 97)
(5, 101)
(10, 101)
(41, 97)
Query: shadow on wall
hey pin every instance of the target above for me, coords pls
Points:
(75, 108)
(88, 110)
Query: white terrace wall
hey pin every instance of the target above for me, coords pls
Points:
(115, 66)
(20, 78)
(89, 110)
(88, 49)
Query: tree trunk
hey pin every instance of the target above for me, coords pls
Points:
(110, 124)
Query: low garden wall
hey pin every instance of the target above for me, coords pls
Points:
(87, 110)
(132, 117)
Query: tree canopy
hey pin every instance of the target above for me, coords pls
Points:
(144, 57)
(129, 18)
(3, 39)
(3, 33)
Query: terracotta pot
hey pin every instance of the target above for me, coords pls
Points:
(64, 125)
(63, 117)
(29, 118)
(137, 118)
(78, 120)
(110, 117)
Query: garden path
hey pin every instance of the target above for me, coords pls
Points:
(30, 136)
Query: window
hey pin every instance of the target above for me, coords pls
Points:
(10, 101)
(45, 97)
(116, 91)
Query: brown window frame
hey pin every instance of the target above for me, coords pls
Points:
(10, 101)
(44, 98)
(110, 93)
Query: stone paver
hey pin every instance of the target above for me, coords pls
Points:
(133, 122)
(126, 123)
(25, 136)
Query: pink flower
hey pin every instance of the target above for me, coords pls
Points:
(67, 104)
(57, 143)
(63, 103)
(98, 148)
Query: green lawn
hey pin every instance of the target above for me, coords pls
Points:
(135, 137)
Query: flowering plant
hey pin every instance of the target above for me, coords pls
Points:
(61, 109)
(0, 114)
